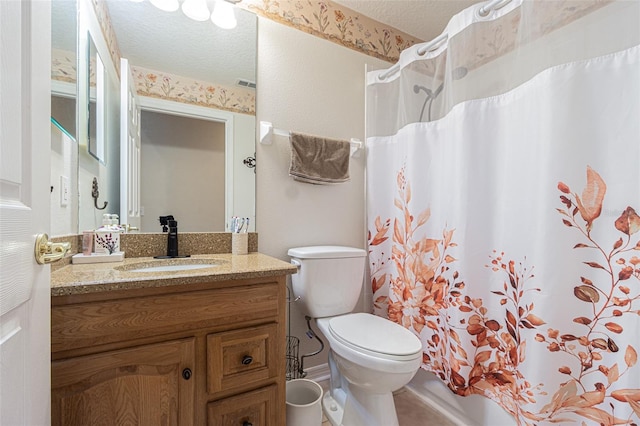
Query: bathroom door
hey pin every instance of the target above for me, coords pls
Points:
(25, 138)
(129, 148)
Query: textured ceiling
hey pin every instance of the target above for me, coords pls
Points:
(172, 43)
(424, 19)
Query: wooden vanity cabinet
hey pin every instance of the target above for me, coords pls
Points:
(203, 354)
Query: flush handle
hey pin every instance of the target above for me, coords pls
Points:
(48, 252)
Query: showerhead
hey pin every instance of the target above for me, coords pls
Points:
(417, 89)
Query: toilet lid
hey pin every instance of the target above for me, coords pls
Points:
(375, 334)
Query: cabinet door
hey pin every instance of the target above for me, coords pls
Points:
(257, 408)
(145, 385)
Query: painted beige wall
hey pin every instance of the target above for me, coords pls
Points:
(310, 85)
(182, 172)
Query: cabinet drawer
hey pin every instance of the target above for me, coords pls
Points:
(237, 358)
(257, 408)
(89, 324)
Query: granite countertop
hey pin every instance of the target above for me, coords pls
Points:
(98, 277)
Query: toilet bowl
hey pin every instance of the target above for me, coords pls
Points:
(370, 357)
(373, 357)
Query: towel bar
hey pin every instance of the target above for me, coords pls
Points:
(267, 131)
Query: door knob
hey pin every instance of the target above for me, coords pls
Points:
(48, 252)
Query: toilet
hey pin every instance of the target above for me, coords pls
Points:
(369, 357)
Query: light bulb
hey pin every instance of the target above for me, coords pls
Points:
(196, 9)
(223, 15)
(166, 5)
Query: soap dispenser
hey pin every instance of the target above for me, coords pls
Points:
(107, 237)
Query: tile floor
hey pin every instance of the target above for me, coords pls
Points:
(411, 410)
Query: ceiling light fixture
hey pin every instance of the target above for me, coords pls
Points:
(223, 15)
(196, 10)
(166, 5)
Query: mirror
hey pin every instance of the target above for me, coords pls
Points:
(182, 68)
(198, 116)
(64, 149)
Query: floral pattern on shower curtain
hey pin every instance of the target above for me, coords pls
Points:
(506, 236)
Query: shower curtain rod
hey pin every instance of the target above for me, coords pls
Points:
(434, 44)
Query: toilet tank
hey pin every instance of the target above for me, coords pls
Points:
(329, 279)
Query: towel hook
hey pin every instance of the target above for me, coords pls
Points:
(95, 194)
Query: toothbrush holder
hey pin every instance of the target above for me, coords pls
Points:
(239, 243)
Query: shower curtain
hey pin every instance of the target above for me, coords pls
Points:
(503, 204)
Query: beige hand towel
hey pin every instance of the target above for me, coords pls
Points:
(319, 160)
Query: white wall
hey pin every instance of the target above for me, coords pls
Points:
(314, 86)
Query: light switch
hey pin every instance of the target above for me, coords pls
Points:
(64, 191)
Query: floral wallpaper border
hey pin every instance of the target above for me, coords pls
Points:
(102, 12)
(63, 66)
(337, 24)
(158, 84)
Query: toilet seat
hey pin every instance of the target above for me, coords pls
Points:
(375, 336)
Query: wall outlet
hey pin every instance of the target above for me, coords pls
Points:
(64, 191)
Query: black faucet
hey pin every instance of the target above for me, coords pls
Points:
(170, 225)
(172, 240)
(164, 222)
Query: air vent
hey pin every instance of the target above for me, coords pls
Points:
(246, 83)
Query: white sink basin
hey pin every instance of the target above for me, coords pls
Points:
(170, 268)
(170, 265)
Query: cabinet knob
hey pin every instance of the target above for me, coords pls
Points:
(246, 360)
(186, 373)
(247, 423)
